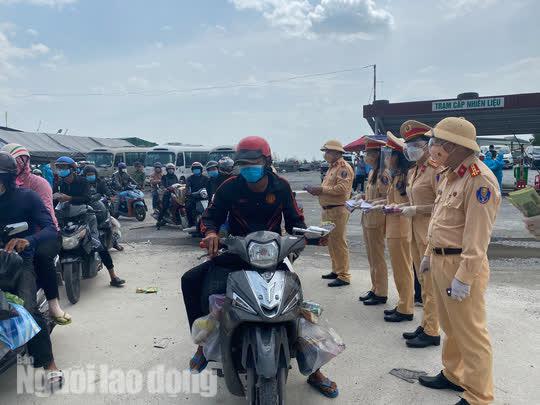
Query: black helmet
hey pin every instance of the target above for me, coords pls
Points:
(158, 165)
(7, 163)
(89, 169)
(211, 164)
(226, 165)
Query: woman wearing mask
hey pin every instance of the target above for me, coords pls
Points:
(373, 226)
(46, 252)
(422, 191)
(398, 230)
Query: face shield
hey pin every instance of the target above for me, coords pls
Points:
(415, 150)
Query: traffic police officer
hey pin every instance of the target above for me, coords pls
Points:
(422, 191)
(465, 209)
(373, 227)
(336, 189)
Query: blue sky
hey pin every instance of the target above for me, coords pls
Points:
(423, 49)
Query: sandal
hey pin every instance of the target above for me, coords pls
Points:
(62, 320)
(54, 380)
(199, 362)
(117, 282)
(324, 387)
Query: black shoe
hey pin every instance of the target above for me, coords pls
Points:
(423, 340)
(376, 300)
(408, 335)
(439, 382)
(398, 317)
(338, 283)
(366, 297)
(117, 282)
(329, 276)
(462, 402)
(390, 311)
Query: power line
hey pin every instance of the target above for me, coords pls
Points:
(193, 89)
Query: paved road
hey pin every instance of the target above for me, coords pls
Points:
(119, 328)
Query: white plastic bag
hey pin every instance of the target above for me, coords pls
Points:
(17, 331)
(317, 344)
(205, 331)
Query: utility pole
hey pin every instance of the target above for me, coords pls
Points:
(6, 119)
(376, 129)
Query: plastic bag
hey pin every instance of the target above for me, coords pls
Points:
(311, 311)
(205, 331)
(17, 331)
(317, 344)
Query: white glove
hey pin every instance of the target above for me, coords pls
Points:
(533, 225)
(408, 212)
(425, 264)
(459, 291)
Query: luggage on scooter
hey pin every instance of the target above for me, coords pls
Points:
(205, 331)
(17, 331)
(317, 344)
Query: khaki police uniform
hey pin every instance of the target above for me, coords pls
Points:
(374, 227)
(398, 239)
(465, 209)
(336, 190)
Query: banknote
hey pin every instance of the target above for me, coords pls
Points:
(527, 201)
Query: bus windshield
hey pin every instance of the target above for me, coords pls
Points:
(164, 157)
(221, 154)
(100, 159)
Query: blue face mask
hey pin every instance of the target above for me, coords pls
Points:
(64, 173)
(213, 173)
(91, 179)
(197, 172)
(252, 174)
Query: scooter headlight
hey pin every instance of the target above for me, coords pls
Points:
(71, 242)
(263, 255)
(204, 194)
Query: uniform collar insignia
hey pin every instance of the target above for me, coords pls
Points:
(461, 170)
(475, 171)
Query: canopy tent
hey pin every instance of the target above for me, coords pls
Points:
(46, 147)
(360, 143)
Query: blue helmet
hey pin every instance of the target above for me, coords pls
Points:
(66, 160)
(122, 165)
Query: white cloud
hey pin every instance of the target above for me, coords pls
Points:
(32, 32)
(458, 8)
(348, 20)
(150, 65)
(50, 3)
(166, 28)
(197, 66)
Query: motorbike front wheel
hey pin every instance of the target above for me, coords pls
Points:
(266, 391)
(72, 280)
(140, 213)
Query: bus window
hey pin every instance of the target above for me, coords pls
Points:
(180, 159)
(100, 159)
(191, 157)
(162, 157)
(132, 157)
(118, 158)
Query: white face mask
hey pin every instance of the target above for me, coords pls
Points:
(413, 153)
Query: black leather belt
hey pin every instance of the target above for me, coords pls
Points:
(447, 251)
(329, 207)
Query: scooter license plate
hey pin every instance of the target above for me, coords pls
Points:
(204, 204)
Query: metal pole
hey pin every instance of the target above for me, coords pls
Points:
(6, 119)
(375, 97)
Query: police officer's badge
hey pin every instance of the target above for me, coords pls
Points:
(270, 198)
(344, 174)
(483, 194)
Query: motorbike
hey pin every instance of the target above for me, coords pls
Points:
(103, 216)
(200, 198)
(176, 214)
(131, 204)
(9, 357)
(78, 258)
(259, 322)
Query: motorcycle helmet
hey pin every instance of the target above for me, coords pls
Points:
(253, 148)
(7, 163)
(226, 165)
(15, 150)
(197, 165)
(170, 166)
(122, 166)
(89, 169)
(211, 164)
(158, 165)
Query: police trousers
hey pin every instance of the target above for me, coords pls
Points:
(400, 257)
(374, 239)
(466, 354)
(337, 241)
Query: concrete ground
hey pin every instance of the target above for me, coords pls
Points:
(119, 328)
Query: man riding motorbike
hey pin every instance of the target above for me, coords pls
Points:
(155, 181)
(76, 190)
(255, 200)
(195, 182)
(24, 205)
(101, 188)
(213, 177)
(45, 254)
(121, 178)
(139, 175)
(166, 182)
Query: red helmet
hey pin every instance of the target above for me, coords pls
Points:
(252, 148)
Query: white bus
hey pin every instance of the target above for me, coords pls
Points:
(222, 151)
(183, 156)
(106, 159)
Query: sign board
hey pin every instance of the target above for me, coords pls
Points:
(472, 104)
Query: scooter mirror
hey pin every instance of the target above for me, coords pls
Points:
(14, 229)
(315, 232)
